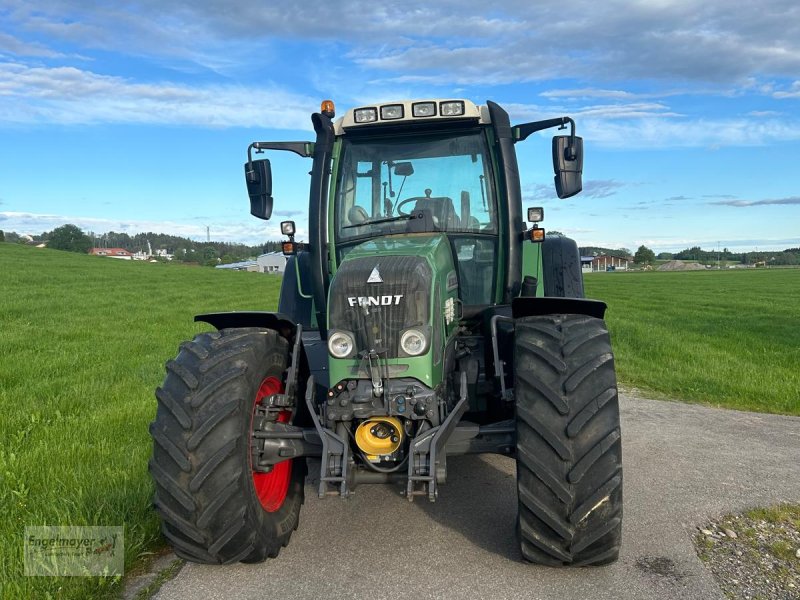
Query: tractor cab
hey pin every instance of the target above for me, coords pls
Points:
(438, 182)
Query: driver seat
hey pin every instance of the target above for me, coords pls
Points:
(442, 209)
(357, 215)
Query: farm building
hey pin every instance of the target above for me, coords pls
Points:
(272, 262)
(112, 253)
(245, 265)
(586, 264)
(606, 262)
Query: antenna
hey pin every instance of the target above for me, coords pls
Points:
(208, 233)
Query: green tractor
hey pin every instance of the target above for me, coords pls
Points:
(422, 319)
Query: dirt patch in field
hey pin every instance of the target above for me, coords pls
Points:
(679, 265)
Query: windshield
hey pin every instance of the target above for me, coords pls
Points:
(383, 183)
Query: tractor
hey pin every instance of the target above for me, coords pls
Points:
(420, 319)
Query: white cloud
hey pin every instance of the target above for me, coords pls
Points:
(790, 201)
(247, 232)
(68, 95)
(591, 93)
(453, 42)
(683, 133)
(792, 92)
(527, 112)
(10, 44)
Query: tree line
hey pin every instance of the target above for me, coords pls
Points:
(73, 239)
(646, 256)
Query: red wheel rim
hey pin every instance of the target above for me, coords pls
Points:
(271, 488)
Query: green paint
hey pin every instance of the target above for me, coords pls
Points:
(435, 249)
(532, 264)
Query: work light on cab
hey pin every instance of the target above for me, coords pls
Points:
(536, 214)
(451, 109)
(287, 228)
(423, 109)
(365, 115)
(390, 112)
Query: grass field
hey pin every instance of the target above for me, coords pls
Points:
(83, 341)
(726, 338)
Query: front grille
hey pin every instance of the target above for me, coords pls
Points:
(399, 301)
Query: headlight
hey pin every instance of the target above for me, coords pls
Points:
(413, 342)
(391, 112)
(341, 344)
(424, 109)
(365, 115)
(453, 108)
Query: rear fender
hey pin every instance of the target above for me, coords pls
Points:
(532, 307)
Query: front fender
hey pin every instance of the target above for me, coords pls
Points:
(266, 320)
(531, 307)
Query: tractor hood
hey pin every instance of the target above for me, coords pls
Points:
(387, 289)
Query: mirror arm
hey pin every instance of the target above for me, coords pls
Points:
(521, 132)
(304, 149)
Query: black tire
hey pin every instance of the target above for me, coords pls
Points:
(561, 268)
(205, 493)
(569, 451)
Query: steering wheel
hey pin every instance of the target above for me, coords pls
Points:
(407, 201)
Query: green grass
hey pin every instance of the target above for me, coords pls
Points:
(83, 341)
(726, 338)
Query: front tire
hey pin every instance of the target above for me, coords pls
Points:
(569, 453)
(213, 507)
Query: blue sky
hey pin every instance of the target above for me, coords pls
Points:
(136, 116)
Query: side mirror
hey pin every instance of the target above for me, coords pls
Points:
(568, 165)
(258, 176)
(403, 169)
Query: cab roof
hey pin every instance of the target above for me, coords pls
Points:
(408, 112)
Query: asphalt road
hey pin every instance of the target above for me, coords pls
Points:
(682, 464)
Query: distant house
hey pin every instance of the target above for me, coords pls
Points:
(606, 262)
(586, 264)
(159, 253)
(112, 253)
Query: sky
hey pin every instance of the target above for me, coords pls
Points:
(136, 116)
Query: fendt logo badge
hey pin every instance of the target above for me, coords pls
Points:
(375, 276)
(374, 300)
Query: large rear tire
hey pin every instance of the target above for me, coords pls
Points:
(214, 508)
(569, 453)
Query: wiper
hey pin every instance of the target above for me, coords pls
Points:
(377, 221)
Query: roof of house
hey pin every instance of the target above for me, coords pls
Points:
(625, 258)
(110, 251)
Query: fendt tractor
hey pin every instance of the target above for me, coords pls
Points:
(420, 319)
